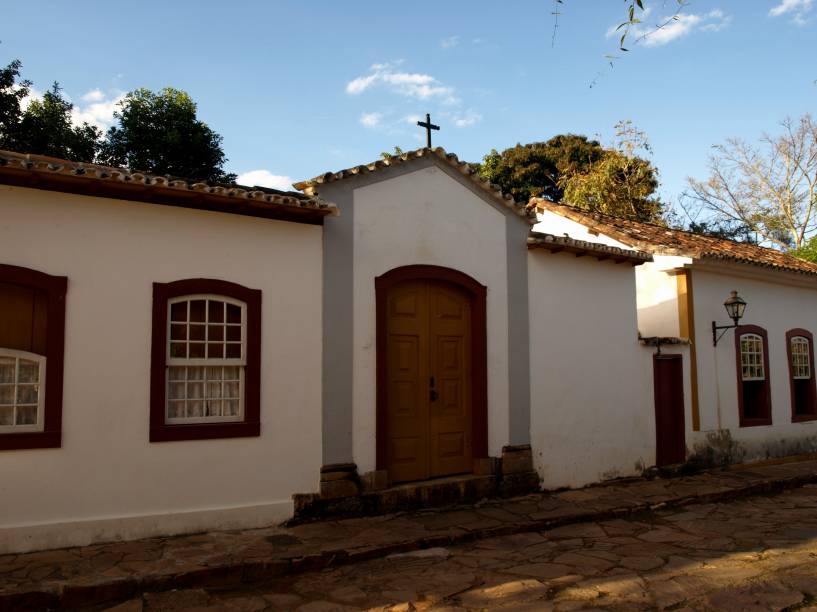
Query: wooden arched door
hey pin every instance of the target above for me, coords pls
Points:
(431, 330)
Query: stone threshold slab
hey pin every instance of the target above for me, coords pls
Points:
(97, 574)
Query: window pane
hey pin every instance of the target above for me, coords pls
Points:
(6, 415)
(234, 351)
(213, 407)
(178, 311)
(176, 390)
(175, 410)
(26, 394)
(178, 349)
(195, 390)
(197, 350)
(215, 351)
(195, 373)
(178, 332)
(197, 332)
(26, 415)
(230, 373)
(216, 311)
(195, 408)
(231, 389)
(215, 332)
(197, 310)
(233, 313)
(234, 333)
(6, 395)
(230, 407)
(28, 371)
(176, 373)
(7, 365)
(214, 390)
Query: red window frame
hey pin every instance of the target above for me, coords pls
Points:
(812, 390)
(766, 397)
(160, 431)
(55, 288)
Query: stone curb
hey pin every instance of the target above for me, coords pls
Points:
(98, 592)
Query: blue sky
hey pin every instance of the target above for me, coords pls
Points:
(300, 88)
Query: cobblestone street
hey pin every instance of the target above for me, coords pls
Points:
(753, 554)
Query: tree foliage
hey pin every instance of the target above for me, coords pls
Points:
(44, 126)
(160, 133)
(578, 171)
(770, 188)
(620, 183)
(536, 169)
(12, 95)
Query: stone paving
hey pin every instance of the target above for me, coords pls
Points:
(108, 572)
(755, 554)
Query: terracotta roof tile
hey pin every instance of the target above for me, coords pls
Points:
(43, 172)
(667, 241)
(558, 244)
(312, 186)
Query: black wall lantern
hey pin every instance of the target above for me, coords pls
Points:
(735, 305)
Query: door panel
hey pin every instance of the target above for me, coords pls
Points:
(670, 442)
(407, 367)
(450, 413)
(428, 364)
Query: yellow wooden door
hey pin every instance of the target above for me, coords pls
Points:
(428, 364)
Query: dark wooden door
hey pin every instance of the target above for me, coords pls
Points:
(670, 443)
(428, 412)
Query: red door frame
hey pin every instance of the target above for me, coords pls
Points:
(673, 435)
(479, 378)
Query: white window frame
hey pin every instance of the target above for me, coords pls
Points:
(41, 361)
(760, 364)
(239, 362)
(805, 353)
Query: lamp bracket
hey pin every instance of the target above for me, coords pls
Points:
(717, 336)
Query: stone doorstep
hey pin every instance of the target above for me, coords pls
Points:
(90, 591)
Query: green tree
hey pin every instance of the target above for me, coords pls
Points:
(12, 94)
(160, 133)
(45, 128)
(536, 169)
(621, 183)
(808, 251)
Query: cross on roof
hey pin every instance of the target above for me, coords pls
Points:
(428, 126)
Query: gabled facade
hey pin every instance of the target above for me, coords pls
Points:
(751, 395)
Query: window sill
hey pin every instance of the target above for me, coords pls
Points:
(30, 439)
(206, 431)
(755, 422)
(803, 418)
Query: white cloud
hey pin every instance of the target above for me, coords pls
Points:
(798, 9)
(451, 41)
(467, 119)
(95, 95)
(99, 109)
(265, 178)
(371, 120)
(407, 84)
(671, 28)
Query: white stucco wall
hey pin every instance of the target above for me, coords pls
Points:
(108, 481)
(777, 308)
(426, 217)
(657, 296)
(553, 223)
(592, 409)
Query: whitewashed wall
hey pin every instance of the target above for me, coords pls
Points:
(552, 223)
(777, 308)
(592, 415)
(427, 217)
(657, 296)
(107, 481)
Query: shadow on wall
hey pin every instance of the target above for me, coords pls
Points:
(721, 449)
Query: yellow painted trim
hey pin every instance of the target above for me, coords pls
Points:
(686, 329)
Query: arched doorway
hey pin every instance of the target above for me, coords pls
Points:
(431, 372)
